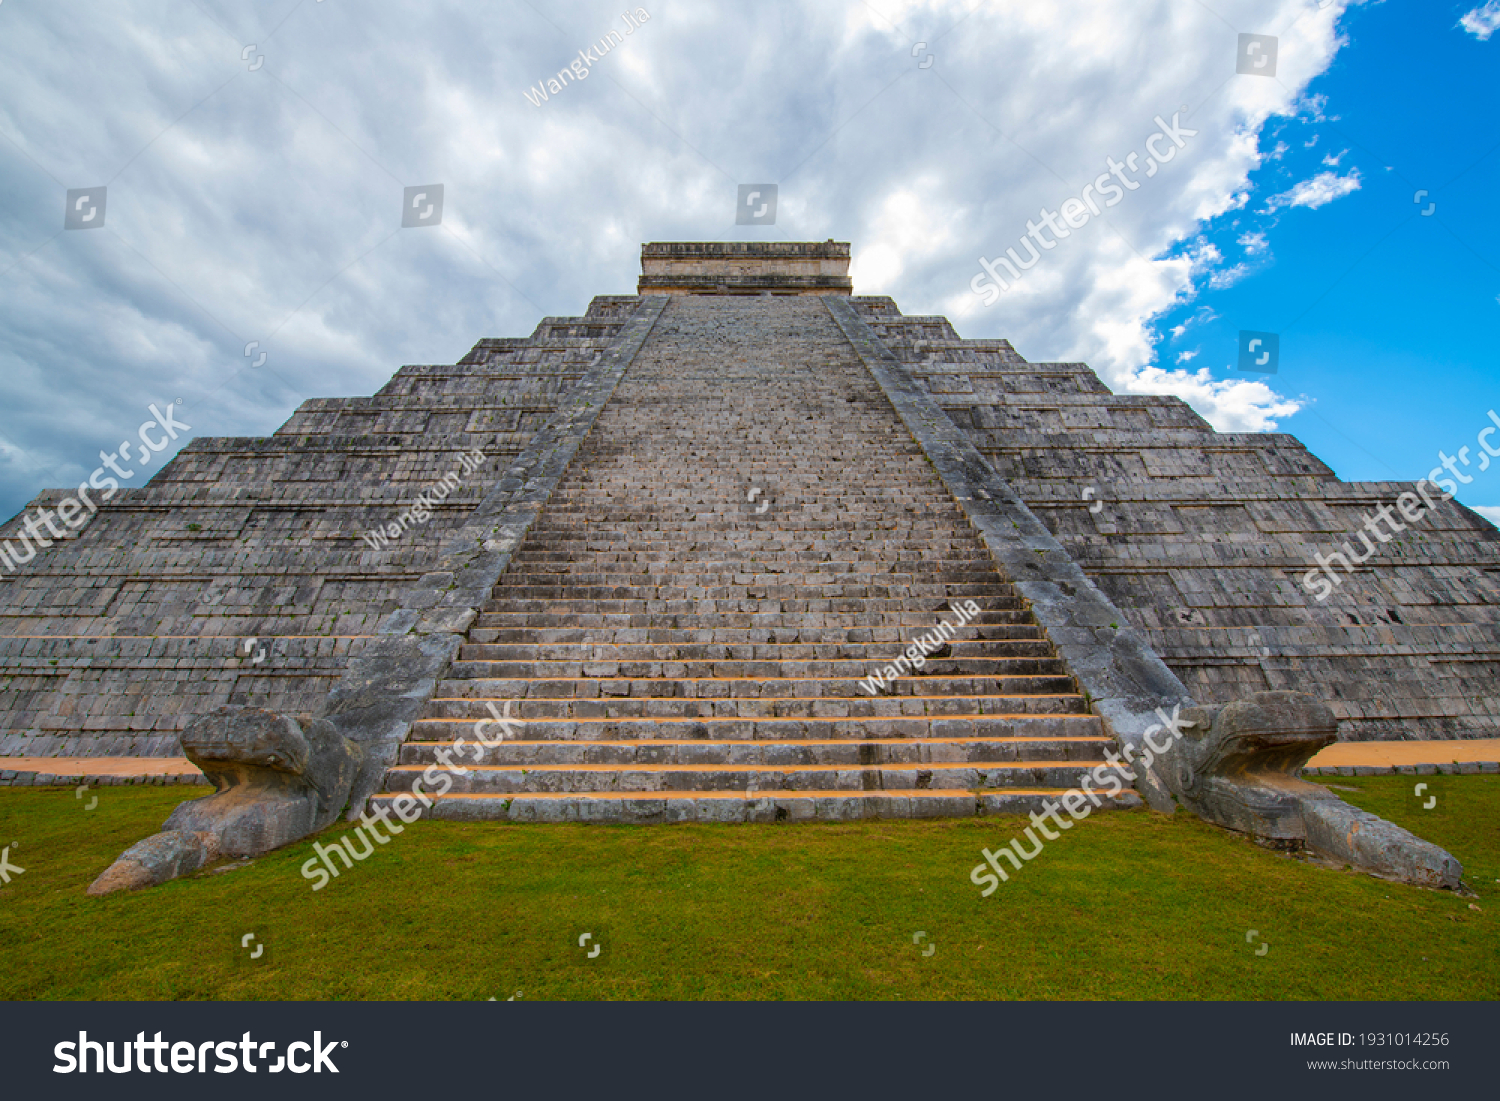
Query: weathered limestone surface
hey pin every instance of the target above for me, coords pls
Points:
(746, 534)
(154, 861)
(704, 515)
(1202, 539)
(275, 782)
(1351, 836)
(389, 683)
(111, 641)
(1240, 766)
(745, 267)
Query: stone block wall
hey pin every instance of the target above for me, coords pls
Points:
(1203, 538)
(745, 267)
(238, 573)
(112, 639)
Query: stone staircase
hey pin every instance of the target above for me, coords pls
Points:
(748, 532)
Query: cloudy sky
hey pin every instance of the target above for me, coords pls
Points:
(255, 157)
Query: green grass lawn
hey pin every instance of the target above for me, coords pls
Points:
(1124, 905)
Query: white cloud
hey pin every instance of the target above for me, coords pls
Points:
(1318, 191)
(1253, 242)
(1482, 22)
(909, 227)
(1230, 405)
(1202, 316)
(1332, 161)
(1489, 512)
(265, 205)
(1183, 357)
(1313, 107)
(1228, 277)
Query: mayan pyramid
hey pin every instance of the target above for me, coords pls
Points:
(689, 533)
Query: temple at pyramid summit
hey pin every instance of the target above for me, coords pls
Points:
(745, 546)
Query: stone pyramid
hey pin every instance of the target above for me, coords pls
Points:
(693, 537)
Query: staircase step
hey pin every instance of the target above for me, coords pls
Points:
(761, 667)
(931, 775)
(651, 808)
(825, 624)
(839, 587)
(549, 555)
(573, 604)
(925, 686)
(800, 753)
(735, 707)
(769, 729)
(678, 655)
(493, 630)
(867, 654)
